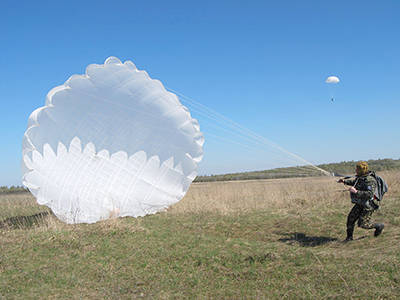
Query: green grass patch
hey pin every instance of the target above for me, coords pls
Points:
(258, 254)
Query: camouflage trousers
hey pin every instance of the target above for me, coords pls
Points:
(362, 215)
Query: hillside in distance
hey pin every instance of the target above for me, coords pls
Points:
(343, 168)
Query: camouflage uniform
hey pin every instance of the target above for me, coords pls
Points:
(364, 202)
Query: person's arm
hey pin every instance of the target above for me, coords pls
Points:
(349, 181)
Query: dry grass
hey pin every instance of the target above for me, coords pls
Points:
(273, 194)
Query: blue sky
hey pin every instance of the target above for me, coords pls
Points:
(259, 63)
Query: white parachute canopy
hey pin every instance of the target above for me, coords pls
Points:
(110, 143)
(332, 79)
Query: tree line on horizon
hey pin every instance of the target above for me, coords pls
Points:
(343, 168)
(12, 189)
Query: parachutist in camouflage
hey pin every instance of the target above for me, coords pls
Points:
(362, 195)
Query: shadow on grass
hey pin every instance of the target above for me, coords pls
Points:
(306, 241)
(24, 221)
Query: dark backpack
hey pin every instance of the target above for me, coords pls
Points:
(381, 186)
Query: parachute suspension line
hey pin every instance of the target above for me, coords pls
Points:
(225, 124)
(250, 148)
(294, 171)
(222, 126)
(248, 133)
(232, 127)
(241, 130)
(224, 139)
(253, 148)
(233, 130)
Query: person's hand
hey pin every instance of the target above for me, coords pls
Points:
(353, 190)
(341, 180)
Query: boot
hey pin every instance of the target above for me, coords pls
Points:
(378, 229)
(349, 235)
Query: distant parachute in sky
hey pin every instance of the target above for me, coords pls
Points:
(110, 143)
(332, 79)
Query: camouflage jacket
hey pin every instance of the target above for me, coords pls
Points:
(365, 185)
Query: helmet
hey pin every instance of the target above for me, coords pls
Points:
(362, 168)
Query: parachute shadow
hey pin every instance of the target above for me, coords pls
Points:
(23, 222)
(306, 241)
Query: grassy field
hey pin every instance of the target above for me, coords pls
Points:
(278, 238)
